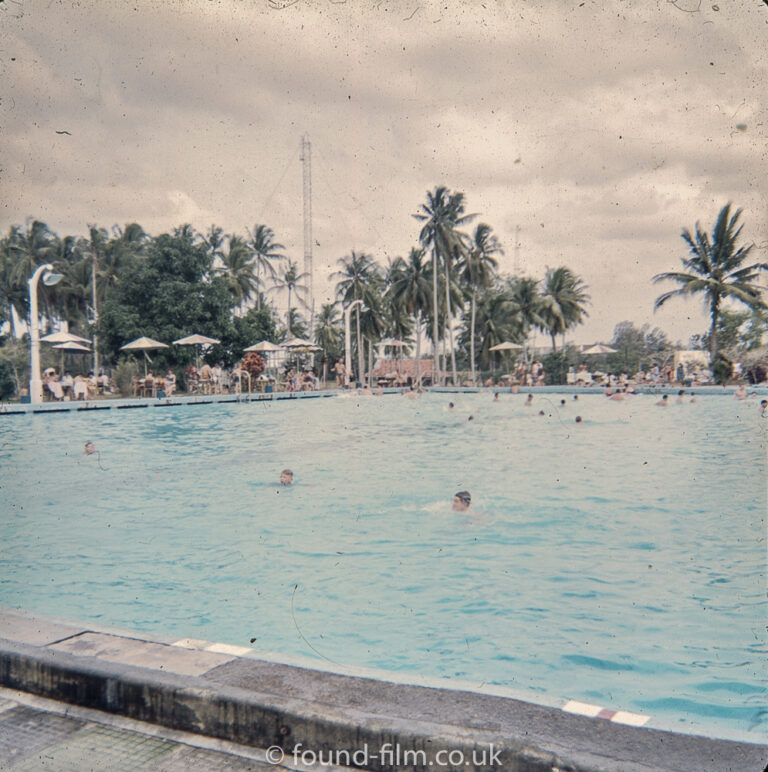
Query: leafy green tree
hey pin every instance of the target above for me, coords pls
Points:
(253, 326)
(716, 269)
(166, 296)
(477, 269)
(637, 347)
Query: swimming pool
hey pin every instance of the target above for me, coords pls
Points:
(620, 562)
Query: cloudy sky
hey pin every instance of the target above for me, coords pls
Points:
(595, 130)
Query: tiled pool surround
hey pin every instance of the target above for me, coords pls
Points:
(226, 692)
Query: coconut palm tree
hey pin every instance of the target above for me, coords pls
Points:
(525, 302)
(117, 255)
(409, 288)
(266, 251)
(291, 280)
(716, 270)
(328, 334)
(562, 302)
(237, 265)
(29, 249)
(442, 215)
(477, 269)
(359, 279)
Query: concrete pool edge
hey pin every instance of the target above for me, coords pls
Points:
(89, 406)
(217, 693)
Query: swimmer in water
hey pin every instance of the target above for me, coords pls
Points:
(578, 419)
(90, 448)
(764, 407)
(664, 401)
(529, 400)
(461, 501)
(286, 477)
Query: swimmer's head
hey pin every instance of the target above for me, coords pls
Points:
(89, 448)
(578, 419)
(286, 477)
(450, 404)
(461, 501)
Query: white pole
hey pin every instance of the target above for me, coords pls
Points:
(347, 339)
(35, 381)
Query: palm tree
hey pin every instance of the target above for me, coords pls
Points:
(291, 280)
(115, 257)
(562, 302)
(237, 266)
(497, 321)
(477, 270)
(441, 215)
(265, 251)
(525, 302)
(716, 270)
(328, 334)
(214, 240)
(409, 289)
(29, 249)
(359, 279)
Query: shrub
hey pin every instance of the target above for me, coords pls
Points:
(125, 372)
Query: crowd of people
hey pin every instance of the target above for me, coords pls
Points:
(66, 387)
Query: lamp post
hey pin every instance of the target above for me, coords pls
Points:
(347, 341)
(49, 279)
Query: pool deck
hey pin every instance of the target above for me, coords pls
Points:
(110, 403)
(228, 694)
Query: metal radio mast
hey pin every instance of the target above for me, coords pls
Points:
(306, 160)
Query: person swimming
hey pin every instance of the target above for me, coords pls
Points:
(286, 477)
(461, 501)
(90, 448)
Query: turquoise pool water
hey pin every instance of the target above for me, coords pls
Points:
(619, 562)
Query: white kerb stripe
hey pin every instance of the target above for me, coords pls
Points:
(633, 719)
(581, 708)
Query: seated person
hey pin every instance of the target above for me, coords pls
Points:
(81, 387)
(169, 383)
(54, 387)
(93, 386)
(103, 382)
(67, 382)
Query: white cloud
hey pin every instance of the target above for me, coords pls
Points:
(600, 133)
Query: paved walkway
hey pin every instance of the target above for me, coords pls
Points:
(39, 734)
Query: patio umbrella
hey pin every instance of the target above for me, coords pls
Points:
(504, 346)
(263, 346)
(70, 346)
(64, 337)
(599, 348)
(144, 344)
(299, 343)
(196, 340)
